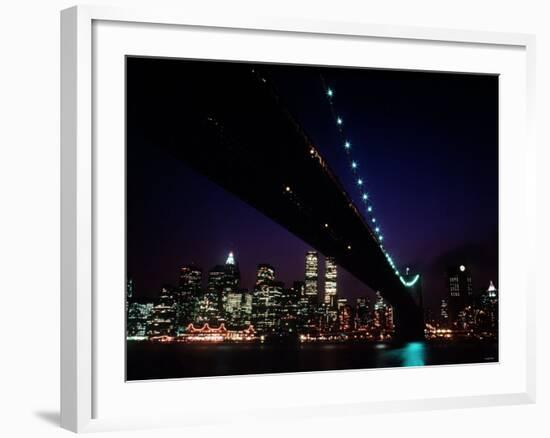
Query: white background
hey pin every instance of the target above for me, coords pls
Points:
(29, 231)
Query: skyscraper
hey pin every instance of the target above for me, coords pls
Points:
(191, 279)
(265, 274)
(330, 281)
(267, 306)
(138, 320)
(363, 311)
(188, 295)
(163, 315)
(459, 282)
(383, 317)
(210, 304)
(232, 276)
(222, 281)
(311, 274)
(488, 311)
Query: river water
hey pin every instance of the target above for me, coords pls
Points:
(161, 361)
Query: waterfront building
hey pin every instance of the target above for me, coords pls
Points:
(246, 308)
(345, 315)
(383, 325)
(267, 306)
(363, 312)
(163, 315)
(139, 318)
(232, 308)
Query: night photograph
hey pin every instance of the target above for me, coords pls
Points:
(298, 218)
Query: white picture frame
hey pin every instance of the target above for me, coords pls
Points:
(81, 366)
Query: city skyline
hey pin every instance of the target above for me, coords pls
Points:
(447, 154)
(228, 312)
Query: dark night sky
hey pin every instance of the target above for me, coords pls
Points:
(427, 147)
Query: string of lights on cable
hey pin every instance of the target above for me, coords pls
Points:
(360, 182)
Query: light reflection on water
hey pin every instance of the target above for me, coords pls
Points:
(412, 354)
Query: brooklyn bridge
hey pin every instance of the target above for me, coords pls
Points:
(241, 136)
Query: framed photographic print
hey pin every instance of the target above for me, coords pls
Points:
(264, 208)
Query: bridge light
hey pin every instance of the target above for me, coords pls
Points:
(347, 144)
(377, 229)
(369, 208)
(380, 237)
(329, 92)
(365, 196)
(360, 181)
(353, 165)
(339, 121)
(373, 220)
(396, 272)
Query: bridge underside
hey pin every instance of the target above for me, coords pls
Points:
(225, 121)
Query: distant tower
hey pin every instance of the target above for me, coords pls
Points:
(311, 274)
(330, 281)
(232, 274)
(488, 306)
(459, 281)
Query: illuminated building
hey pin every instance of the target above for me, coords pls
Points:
(303, 306)
(129, 289)
(266, 302)
(232, 275)
(383, 325)
(265, 274)
(308, 302)
(362, 312)
(246, 308)
(232, 308)
(188, 295)
(209, 304)
(459, 281)
(330, 281)
(290, 299)
(345, 317)
(129, 292)
(311, 275)
(191, 279)
(487, 323)
(163, 315)
(222, 280)
(444, 314)
(138, 320)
